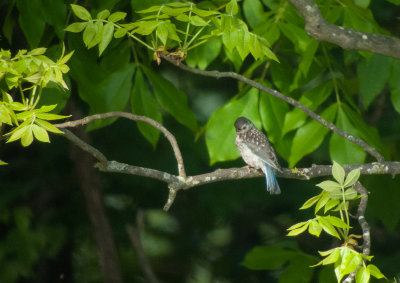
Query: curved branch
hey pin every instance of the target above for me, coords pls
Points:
(318, 28)
(155, 124)
(176, 183)
(291, 101)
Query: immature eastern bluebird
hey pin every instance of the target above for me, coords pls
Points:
(257, 152)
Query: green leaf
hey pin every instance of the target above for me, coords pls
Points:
(47, 126)
(367, 133)
(221, 123)
(314, 228)
(147, 27)
(76, 27)
(27, 136)
(120, 32)
(81, 12)
(336, 221)
(330, 186)
(322, 202)
(204, 54)
(40, 133)
(374, 271)
(197, 21)
(171, 99)
(3, 163)
(103, 14)
(37, 51)
(298, 225)
(31, 21)
(333, 257)
(338, 173)
(350, 262)
(104, 84)
(308, 57)
(298, 265)
(373, 74)
(331, 204)
(349, 194)
(143, 103)
(116, 16)
(302, 141)
(93, 34)
(231, 8)
(296, 35)
(108, 31)
(310, 202)
(50, 116)
(272, 111)
(352, 178)
(267, 258)
(328, 227)
(254, 12)
(362, 275)
(299, 230)
(311, 98)
(242, 45)
(162, 32)
(18, 132)
(341, 149)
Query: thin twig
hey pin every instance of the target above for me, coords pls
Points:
(134, 236)
(317, 27)
(366, 246)
(291, 101)
(155, 124)
(85, 146)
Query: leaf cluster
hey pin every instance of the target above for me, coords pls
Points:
(335, 197)
(27, 73)
(174, 26)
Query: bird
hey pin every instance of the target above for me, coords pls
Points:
(257, 152)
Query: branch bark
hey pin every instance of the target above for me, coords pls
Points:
(366, 235)
(277, 94)
(176, 183)
(155, 124)
(317, 27)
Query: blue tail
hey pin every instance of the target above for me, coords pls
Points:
(272, 183)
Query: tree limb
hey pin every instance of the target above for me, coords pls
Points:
(277, 94)
(176, 183)
(318, 28)
(366, 246)
(155, 124)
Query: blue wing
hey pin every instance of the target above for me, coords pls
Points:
(272, 183)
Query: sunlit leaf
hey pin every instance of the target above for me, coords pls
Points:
(338, 173)
(81, 12)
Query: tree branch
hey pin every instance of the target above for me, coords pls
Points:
(277, 94)
(176, 183)
(366, 246)
(318, 28)
(155, 124)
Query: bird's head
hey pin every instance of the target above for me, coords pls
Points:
(243, 124)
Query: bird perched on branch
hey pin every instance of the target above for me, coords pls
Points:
(257, 152)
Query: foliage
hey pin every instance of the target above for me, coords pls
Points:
(345, 87)
(335, 197)
(28, 73)
(179, 26)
